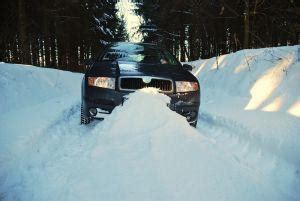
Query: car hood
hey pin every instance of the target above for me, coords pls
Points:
(122, 68)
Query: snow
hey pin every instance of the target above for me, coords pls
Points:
(246, 145)
(264, 99)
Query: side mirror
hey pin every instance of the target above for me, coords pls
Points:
(187, 67)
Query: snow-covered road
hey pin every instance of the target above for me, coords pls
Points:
(149, 153)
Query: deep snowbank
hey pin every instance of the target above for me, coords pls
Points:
(144, 151)
(22, 86)
(258, 89)
(145, 154)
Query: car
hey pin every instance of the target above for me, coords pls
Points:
(125, 67)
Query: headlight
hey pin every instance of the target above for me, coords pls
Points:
(184, 86)
(103, 82)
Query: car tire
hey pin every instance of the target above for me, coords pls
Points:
(84, 119)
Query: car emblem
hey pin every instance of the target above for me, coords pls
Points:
(147, 79)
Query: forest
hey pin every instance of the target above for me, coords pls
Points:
(64, 33)
(195, 29)
(57, 33)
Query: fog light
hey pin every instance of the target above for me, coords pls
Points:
(93, 111)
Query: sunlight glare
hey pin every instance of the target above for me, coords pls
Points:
(200, 68)
(295, 109)
(243, 66)
(220, 60)
(274, 106)
(266, 85)
(132, 21)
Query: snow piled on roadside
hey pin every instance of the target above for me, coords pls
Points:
(251, 107)
(32, 85)
(258, 89)
(143, 150)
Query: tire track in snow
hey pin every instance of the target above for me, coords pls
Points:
(239, 142)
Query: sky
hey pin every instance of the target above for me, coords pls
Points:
(126, 8)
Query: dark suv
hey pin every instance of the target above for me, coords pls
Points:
(126, 67)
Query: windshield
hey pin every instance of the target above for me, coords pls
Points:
(141, 53)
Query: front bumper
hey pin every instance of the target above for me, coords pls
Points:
(186, 104)
(105, 100)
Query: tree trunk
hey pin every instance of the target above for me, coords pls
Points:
(46, 36)
(34, 51)
(246, 25)
(16, 50)
(192, 43)
(24, 44)
(47, 50)
(41, 52)
(73, 56)
(81, 53)
(53, 51)
(182, 48)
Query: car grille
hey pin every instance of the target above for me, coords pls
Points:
(135, 83)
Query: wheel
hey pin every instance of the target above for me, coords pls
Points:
(84, 119)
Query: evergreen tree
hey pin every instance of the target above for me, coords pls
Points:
(57, 33)
(206, 28)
